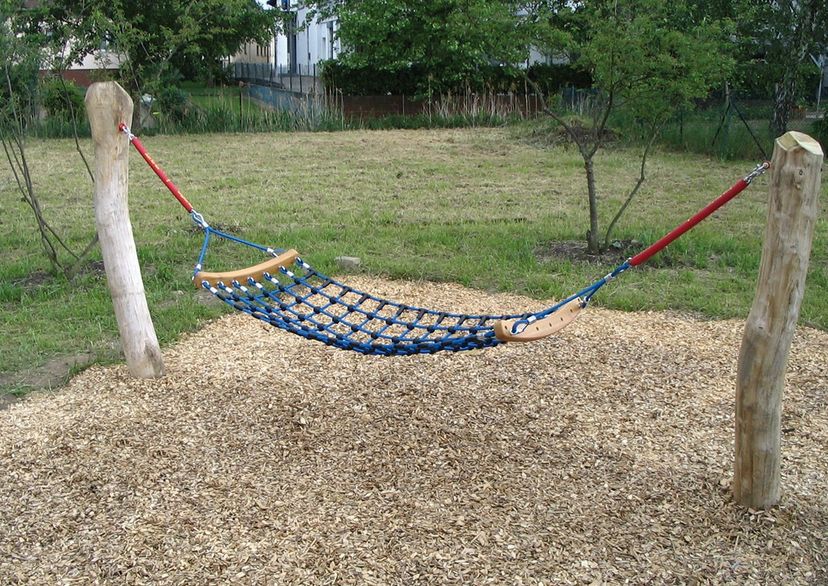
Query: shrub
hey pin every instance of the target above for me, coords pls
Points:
(173, 103)
(369, 81)
(61, 98)
(552, 78)
(411, 81)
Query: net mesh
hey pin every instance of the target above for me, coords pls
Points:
(305, 302)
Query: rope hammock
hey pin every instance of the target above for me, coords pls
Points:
(287, 292)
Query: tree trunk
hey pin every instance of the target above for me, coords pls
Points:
(593, 246)
(783, 102)
(108, 105)
(792, 212)
(641, 178)
(785, 96)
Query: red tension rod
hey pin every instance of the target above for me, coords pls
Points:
(154, 166)
(714, 205)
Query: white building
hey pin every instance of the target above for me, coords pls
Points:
(292, 57)
(306, 41)
(96, 65)
(252, 52)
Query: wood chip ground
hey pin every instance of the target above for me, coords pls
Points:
(601, 456)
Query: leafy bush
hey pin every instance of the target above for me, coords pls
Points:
(756, 80)
(173, 103)
(61, 98)
(369, 81)
(18, 88)
(552, 78)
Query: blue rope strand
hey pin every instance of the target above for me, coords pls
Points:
(226, 236)
(203, 254)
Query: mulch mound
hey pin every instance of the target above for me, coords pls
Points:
(602, 455)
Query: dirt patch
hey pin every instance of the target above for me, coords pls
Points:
(50, 375)
(39, 278)
(8, 399)
(600, 456)
(35, 279)
(95, 267)
(576, 251)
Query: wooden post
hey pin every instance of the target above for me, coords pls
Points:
(792, 209)
(107, 105)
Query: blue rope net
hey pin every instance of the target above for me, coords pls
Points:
(303, 301)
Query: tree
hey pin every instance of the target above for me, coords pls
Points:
(447, 41)
(786, 32)
(646, 57)
(156, 38)
(772, 43)
(18, 102)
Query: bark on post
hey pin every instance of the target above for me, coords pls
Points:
(107, 105)
(792, 209)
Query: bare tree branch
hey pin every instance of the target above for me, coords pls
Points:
(655, 130)
(568, 128)
(75, 126)
(14, 149)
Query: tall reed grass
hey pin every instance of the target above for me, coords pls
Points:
(701, 132)
(222, 117)
(225, 112)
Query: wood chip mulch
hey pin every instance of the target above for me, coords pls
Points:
(600, 456)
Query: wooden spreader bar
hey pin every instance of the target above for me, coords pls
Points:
(271, 266)
(554, 322)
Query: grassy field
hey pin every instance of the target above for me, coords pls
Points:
(479, 207)
(231, 97)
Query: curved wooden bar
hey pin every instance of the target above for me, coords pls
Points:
(541, 328)
(269, 266)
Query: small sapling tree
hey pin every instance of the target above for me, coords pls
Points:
(18, 104)
(647, 59)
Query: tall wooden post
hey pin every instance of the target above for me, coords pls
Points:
(792, 209)
(107, 105)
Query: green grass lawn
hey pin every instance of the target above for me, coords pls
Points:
(474, 206)
(224, 96)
